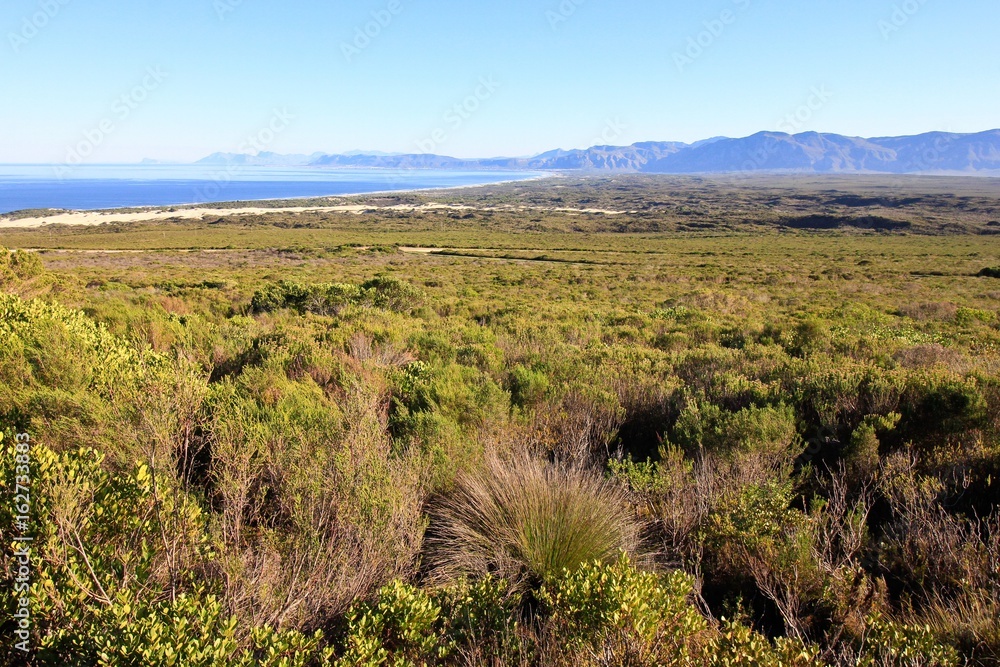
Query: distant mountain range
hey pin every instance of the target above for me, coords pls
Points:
(809, 152)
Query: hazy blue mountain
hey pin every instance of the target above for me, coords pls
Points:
(942, 151)
(773, 151)
(378, 153)
(263, 159)
(808, 152)
(607, 158)
(834, 153)
(411, 161)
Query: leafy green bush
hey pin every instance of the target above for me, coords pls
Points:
(738, 646)
(945, 406)
(811, 336)
(408, 626)
(648, 618)
(102, 566)
(765, 430)
(402, 627)
(966, 316)
(527, 386)
(891, 643)
(45, 344)
(331, 298)
(751, 515)
(192, 630)
(391, 294)
(18, 266)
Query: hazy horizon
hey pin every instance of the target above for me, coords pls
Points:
(153, 161)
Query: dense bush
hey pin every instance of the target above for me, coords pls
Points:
(639, 617)
(674, 456)
(331, 298)
(18, 266)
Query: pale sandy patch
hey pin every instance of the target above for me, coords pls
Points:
(91, 218)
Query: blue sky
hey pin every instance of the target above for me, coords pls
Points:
(121, 80)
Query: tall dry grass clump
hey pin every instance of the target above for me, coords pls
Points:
(527, 521)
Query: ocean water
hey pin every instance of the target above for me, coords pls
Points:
(117, 186)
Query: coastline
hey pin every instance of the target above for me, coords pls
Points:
(196, 210)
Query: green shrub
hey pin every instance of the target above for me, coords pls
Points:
(331, 298)
(391, 294)
(738, 646)
(401, 628)
(862, 451)
(812, 335)
(894, 644)
(101, 564)
(527, 386)
(752, 515)
(409, 626)
(647, 617)
(967, 316)
(18, 266)
(945, 406)
(47, 344)
(765, 430)
(193, 631)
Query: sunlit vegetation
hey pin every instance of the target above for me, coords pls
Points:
(537, 447)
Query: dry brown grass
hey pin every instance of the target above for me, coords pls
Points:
(933, 354)
(923, 312)
(307, 528)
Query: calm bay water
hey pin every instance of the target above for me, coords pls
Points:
(116, 186)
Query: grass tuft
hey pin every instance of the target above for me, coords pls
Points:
(527, 521)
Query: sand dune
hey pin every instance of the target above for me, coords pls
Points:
(90, 218)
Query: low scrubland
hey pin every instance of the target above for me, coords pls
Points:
(532, 447)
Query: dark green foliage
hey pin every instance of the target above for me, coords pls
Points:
(331, 298)
(527, 387)
(875, 222)
(411, 625)
(948, 407)
(18, 265)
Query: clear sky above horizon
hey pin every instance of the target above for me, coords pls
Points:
(122, 80)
